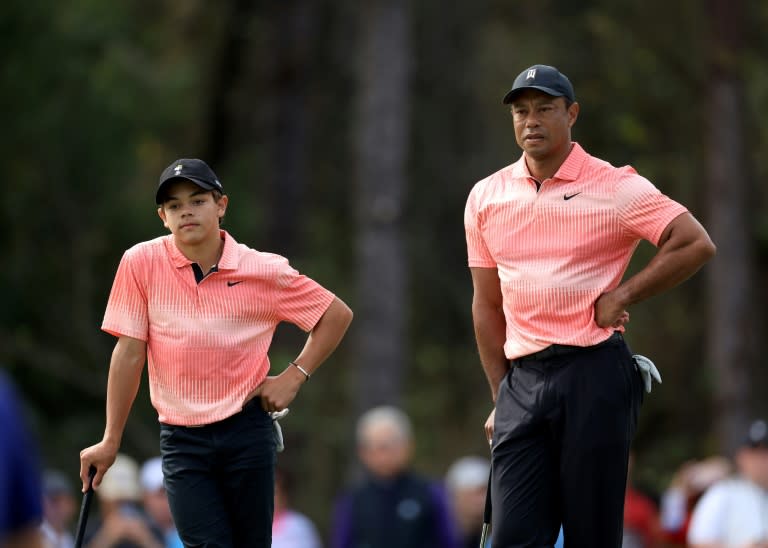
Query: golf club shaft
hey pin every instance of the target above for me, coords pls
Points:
(84, 508)
(484, 535)
(486, 512)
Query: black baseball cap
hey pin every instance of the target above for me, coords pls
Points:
(190, 169)
(544, 78)
(757, 435)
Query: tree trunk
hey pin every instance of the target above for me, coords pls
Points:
(731, 319)
(381, 141)
(292, 65)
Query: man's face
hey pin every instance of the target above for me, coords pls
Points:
(753, 463)
(542, 123)
(191, 213)
(384, 450)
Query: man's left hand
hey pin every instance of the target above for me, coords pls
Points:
(610, 311)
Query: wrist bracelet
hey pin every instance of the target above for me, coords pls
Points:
(300, 368)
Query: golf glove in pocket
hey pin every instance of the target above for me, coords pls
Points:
(648, 371)
(278, 432)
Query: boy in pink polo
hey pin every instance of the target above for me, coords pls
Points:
(201, 310)
(549, 238)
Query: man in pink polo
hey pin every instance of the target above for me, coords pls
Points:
(201, 310)
(549, 238)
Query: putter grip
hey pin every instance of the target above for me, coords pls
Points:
(84, 508)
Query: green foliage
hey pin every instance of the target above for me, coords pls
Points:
(98, 97)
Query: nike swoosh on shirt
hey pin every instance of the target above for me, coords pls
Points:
(567, 197)
(230, 284)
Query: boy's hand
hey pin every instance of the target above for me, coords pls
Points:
(101, 456)
(278, 392)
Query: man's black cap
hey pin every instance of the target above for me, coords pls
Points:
(190, 169)
(757, 435)
(544, 78)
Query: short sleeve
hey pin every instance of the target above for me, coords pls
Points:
(478, 254)
(126, 313)
(643, 210)
(300, 300)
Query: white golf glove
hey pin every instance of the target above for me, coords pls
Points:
(276, 416)
(647, 370)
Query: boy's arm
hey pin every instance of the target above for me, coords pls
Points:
(278, 392)
(125, 368)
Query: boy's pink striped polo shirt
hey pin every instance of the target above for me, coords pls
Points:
(207, 343)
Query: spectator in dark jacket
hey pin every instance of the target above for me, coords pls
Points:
(393, 506)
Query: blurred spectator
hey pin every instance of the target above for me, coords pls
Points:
(59, 509)
(122, 523)
(155, 501)
(734, 511)
(686, 488)
(467, 483)
(641, 516)
(21, 507)
(290, 529)
(393, 506)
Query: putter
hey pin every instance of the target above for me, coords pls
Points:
(486, 514)
(83, 519)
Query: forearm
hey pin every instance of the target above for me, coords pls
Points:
(325, 336)
(490, 333)
(684, 247)
(666, 270)
(122, 386)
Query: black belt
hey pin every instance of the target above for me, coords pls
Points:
(564, 349)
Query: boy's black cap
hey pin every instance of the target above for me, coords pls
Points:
(190, 169)
(544, 78)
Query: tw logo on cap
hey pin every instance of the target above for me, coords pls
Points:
(177, 169)
(531, 74)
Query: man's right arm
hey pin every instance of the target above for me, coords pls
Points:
(490, 325)
(125, 369)
(490, 331)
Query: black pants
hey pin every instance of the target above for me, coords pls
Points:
(220, 480)
(563, 428)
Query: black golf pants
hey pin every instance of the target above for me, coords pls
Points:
(220, 480)
(564, 424)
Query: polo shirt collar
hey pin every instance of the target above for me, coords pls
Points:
(229, 256)
(568, 171)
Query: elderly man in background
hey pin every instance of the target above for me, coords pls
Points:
(392, 506)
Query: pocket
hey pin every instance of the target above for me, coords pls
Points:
(256, 414)
(635, 389)
(167, 433)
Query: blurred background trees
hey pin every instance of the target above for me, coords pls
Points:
(348, 135)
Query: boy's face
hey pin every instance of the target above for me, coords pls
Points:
(191, 213)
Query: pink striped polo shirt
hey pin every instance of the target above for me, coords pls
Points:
(557, 250)
(207, 343)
